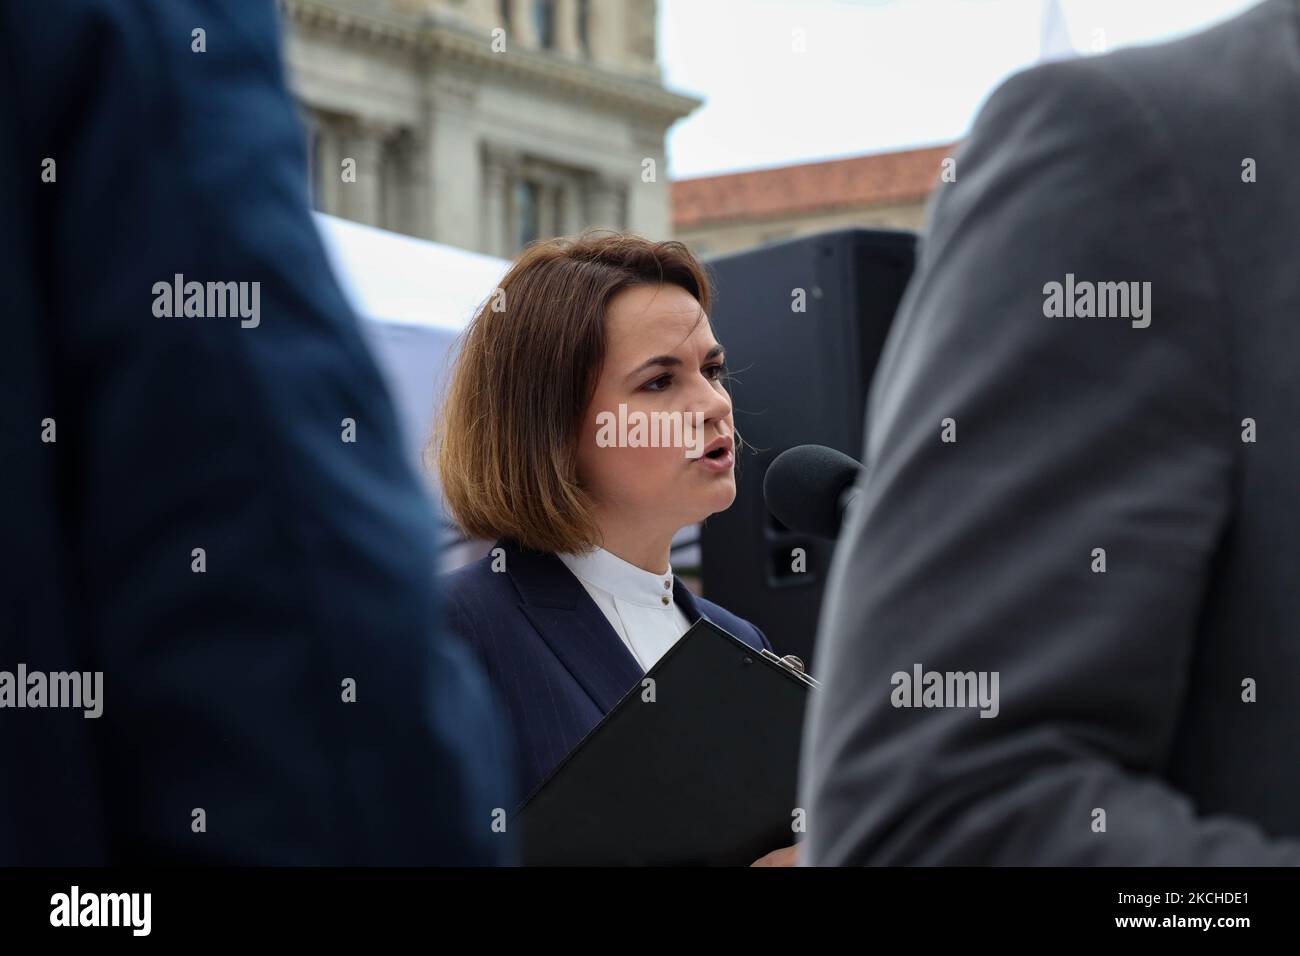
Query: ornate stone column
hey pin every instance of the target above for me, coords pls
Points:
(453, 164)
(496, 206)
(327, 167)
(575, 208)
(360, 200)
(605, 203)
(566, 28)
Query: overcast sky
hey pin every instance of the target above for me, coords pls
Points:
(875, 74)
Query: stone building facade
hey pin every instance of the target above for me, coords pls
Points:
(485, 124)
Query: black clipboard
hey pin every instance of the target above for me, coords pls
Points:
(696, 765)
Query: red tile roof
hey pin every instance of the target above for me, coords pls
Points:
(878, 179)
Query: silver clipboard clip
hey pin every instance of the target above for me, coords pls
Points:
(792, 664)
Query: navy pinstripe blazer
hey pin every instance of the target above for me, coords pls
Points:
(556, 663)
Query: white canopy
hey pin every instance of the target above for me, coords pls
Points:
(415, 297)
(394, 278)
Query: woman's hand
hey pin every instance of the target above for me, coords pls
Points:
(786, 856)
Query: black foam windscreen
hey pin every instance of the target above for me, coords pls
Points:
(804, 488)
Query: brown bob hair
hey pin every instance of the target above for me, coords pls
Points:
(506, 444)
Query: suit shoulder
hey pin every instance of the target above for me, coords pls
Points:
(1169, 79)
(473, 585)
(732, 623)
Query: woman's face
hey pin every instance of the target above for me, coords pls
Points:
(660, 357)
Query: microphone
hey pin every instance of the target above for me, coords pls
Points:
(809, 488)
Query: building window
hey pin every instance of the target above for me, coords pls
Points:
(544, 23)
(584, 27)
(528, 203)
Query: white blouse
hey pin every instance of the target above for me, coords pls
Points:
(638, 604)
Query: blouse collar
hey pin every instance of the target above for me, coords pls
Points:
(625, 581)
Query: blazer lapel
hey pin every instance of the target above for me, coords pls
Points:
(571, 624)
(685, 600)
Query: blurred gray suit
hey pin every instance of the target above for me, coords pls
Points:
(1120, 691)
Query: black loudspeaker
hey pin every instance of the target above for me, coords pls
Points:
(798, 378)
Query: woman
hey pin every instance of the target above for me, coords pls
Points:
(537, 449)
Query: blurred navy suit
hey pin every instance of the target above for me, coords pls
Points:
(222, 690)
